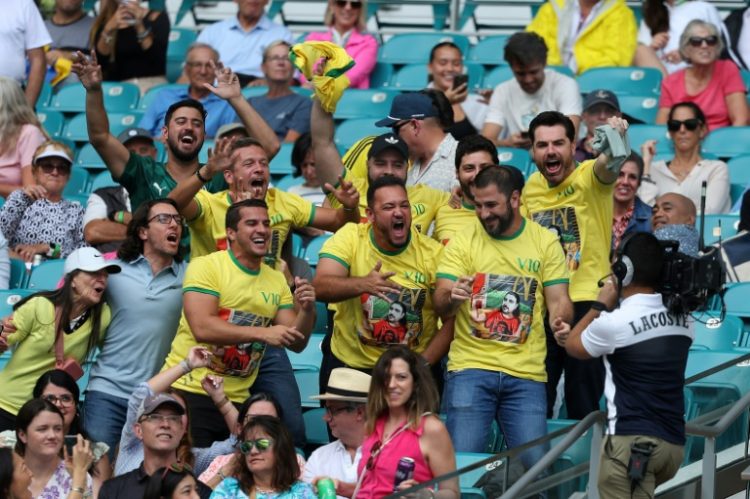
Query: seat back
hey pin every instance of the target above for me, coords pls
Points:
(621, 80)
(413, 48)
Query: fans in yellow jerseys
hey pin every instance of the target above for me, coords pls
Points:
(386, 155)
(575, 201)
(236, 306)
(244, 164)
(498, 279)
(381, 276)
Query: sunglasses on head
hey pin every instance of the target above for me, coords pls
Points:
(353, 5)
(262, 444)
(697, 41)
(691, 125)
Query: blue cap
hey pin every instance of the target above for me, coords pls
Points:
(409, 106)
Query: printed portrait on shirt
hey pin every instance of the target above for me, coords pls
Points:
(502, 307)
(564, 223)
(397, 319)
(240, 360)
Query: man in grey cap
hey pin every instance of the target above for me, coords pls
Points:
(345, 402)
(598, 106)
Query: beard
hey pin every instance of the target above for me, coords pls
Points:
(503, 222)
(184, 157)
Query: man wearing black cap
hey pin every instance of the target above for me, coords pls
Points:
(598, 106)
(160, 426)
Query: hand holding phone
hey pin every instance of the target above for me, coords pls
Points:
(460, 79)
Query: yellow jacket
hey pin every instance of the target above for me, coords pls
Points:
(609, 40)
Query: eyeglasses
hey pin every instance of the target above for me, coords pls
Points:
(200, 65)
(49, 168)
(697, 41)
(353, 5)
(162, 418)
(262, 444)
(276, 58)
(398, 126)
(64, 400)
(165, 218)
(177, 467)
(690, 125)
(373, 455)
(333, 412)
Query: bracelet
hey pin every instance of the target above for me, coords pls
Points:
(200, 177)
(223, 402)
(143, 35)
(348, 210)
(107, 38)
(120, 217)
(80, 490)
(221, 475)
(185, 366)
(54, 251)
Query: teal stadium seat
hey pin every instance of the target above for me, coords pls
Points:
(77, 131)
(736, 300)
(350, 131)
(179, 41)
(638, 134)
(467, 481)
(576, 454)
(621, 80)
(307, 382)
(311, 357)
(719, 227)
(641, 107)
(103, 179)
(9, 297)
(47, 275)
(52, 121)
(413, 48)
(45, 95)
(78, 183)
(321, 318)
(497, 76)
(312, 252)
(17, 274)
(739, 175)
(728, 142)
(89, 159)
(519, 158)
(288, 181)
(248, 92)
(153, 93)
(713, 334)
(203, 154)
(118, 98)
(316, 429)
(356, 103)
(489, 50)
(416, 77)
(281, 164)
(381, 75)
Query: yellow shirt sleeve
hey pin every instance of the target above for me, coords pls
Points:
(339, 246)
(201, 277)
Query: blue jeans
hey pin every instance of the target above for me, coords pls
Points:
(474, 397)
(276, 377)
(103, 418)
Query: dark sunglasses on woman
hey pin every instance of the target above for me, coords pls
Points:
(691, 125)
(697, 41)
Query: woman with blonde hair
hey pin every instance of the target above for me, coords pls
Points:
(347, 22)
(20, 135)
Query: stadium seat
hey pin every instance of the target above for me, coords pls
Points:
(497, 76)
(381, 75)
(350, 131)
(118, 98)
(468, 480)
(307, 382)
(713, 334)
(153, 92)
(638, 134)
(17, 274)
(410, 77)
(309, 358)
(203, 154)
(621, 80)
(565, 70)
(78, 183)
(513, 156)
(355, 103)
(281, 164)
(489, 50)
(45, 95)
(248, 92)
(89, 159)
(719, 227)
(52, 121)
(316, 429)
(739, 175)
(574, 455)
(728, 142)
(179, 41)
(312, 252)
(76, 130)
(103, 179)
(641, 107)
(736, 300)
(47, 275)
(414, 48)
(288, 181)
(746, 78)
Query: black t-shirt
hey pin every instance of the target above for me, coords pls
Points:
(133, 485)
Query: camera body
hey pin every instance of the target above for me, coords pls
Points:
(688, 283)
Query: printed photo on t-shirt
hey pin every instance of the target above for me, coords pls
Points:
(502, 307)
(394, 320)
(564, 224)
(240, 360)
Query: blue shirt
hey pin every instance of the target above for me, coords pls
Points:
(229, 488)
(145, 314)
(243, 50)
(218, 111)
(290, 112)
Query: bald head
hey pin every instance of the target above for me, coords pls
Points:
(672, 209)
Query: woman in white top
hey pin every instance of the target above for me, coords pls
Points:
(685, 173)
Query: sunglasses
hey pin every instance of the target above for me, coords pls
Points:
(691, 125)
(262, 444)
(64, 400)
(49, 168)
(398, 126)
(697, 41)
(177, 467)
(373, 455)
(165, 218)
(344, 3)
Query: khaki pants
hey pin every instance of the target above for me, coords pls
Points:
(664, 462)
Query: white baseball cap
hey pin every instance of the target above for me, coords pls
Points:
(52, 150)
(88, 259)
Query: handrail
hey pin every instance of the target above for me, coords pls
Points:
(713, 370)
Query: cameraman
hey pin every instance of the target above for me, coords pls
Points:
(646, 349)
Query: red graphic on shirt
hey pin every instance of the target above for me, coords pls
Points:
(502, 307)
(243, 359)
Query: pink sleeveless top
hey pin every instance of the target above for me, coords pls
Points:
(378, 481)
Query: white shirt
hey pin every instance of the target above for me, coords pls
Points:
(21, 29)
(96, 208)
(334, 461)
(440, 172)
(513, 109)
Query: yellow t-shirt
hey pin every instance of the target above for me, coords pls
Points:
(501, 328)
(208, 229)
(355, 159)
(246, 297)
(364, 326)
(34, 352)
(580, 208)
(424, 200)
(450, 221)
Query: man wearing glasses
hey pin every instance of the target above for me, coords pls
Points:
(145, 300)
(160, 425)
(200, 64)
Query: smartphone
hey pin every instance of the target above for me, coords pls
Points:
(70, 442)
(459, 80)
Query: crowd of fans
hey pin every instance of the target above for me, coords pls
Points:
(454, 284)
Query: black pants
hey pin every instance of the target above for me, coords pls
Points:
(584, 379)
(7, 421)
(206, 422)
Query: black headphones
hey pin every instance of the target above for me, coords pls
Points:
(622, 268)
